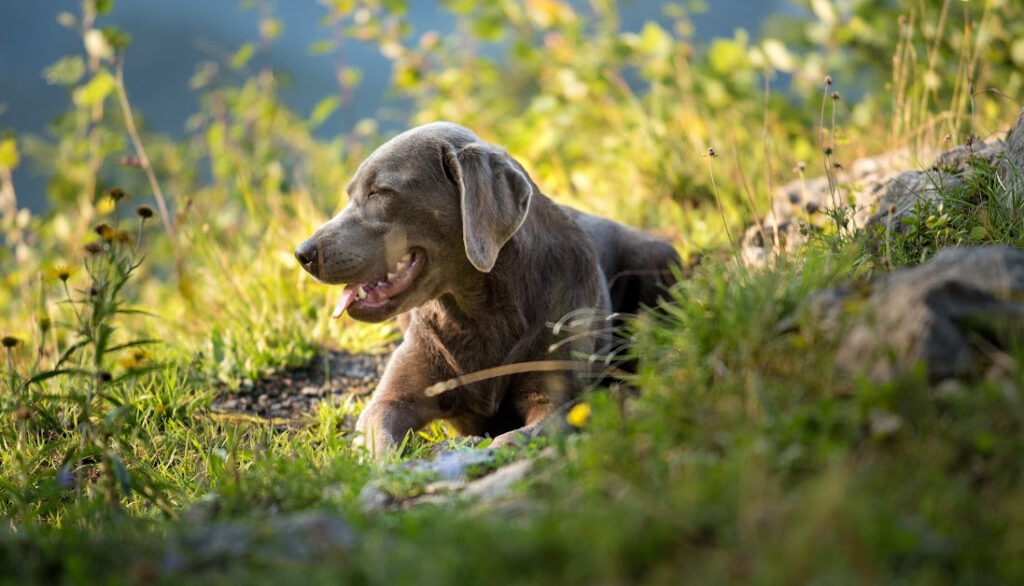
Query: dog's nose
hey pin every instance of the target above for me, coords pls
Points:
(306, 255)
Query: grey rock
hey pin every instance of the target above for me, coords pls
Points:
(499, 483)
(906, 192)
(1011, 168)
(879, 190)
(947, 314)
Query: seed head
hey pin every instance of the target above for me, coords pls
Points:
(10, 341)
(45, 323)
(711, 153)
(144, 212)
(116, 194)
(828, 151)
(105, 232)
(835, 96)
(93, 248)
(828, 81)
(104, 376)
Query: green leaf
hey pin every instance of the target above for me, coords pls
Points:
(323, 110)
(9, 157)
(121, 474)
(97, 90)
(65, 71)
(103, 6)
(56, 372)
(70, 349)
(321, 47)
(243, 55)
(141, 342)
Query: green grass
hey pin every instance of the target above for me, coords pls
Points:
(740, 455)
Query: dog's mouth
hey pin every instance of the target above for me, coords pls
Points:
(379, 291)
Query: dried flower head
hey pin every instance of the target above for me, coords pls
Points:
(104, 376)
(801, 166)
(711, 153)
(827, 151)
(837, 165)
(10, 341)
(105, 232)
(93, 248)
(144, 212)
(828, 81)
(116, 194)
(45, 323)
(835, 96)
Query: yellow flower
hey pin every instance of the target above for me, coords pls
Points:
(61, 271)
(578, 415)
(135, 358)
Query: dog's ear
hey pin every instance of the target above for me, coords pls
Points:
(495, 198)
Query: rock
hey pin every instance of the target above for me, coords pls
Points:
(870, 187)
(908, 191)
(499, 483)
(300, 537)
(948, 314)
(1011, 168)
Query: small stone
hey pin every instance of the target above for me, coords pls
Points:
(311, 391)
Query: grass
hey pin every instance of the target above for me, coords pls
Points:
(741, 456)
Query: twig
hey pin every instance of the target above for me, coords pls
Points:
(140, 151)
(519, 368)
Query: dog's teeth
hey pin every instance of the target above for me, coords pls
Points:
(361, 294)
(391, 275)
(407, 258)
(401, 266)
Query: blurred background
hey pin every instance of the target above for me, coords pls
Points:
(170, 39)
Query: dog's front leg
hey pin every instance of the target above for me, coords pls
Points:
(399, 404)
(542, 400)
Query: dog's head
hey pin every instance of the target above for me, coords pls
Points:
(427, 208)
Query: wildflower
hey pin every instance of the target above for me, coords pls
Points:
(144, 212)
(711, 153)
(134, 359)
(578, 415)
(116, 194)
(105, 232)
(828, 81)
(61, 271)
(93, 248)
(10, 341)
(835, 96)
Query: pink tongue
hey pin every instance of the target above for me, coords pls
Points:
(348, 295)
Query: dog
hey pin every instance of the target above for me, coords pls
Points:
(451, 234)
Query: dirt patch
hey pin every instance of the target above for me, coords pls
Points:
(293, 394)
